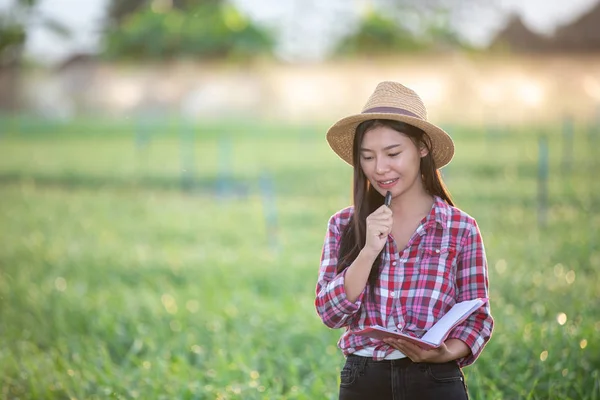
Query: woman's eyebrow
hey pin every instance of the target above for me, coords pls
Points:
(385, 148)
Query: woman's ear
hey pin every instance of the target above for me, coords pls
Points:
(423, 150)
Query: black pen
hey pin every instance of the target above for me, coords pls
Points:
(388, 198)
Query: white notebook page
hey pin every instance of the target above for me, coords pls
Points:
(437, 332)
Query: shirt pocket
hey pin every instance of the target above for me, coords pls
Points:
(438, 261)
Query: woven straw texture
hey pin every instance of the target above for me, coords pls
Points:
(391, 94)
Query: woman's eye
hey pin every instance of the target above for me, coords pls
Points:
(366, 158)
(394, 154)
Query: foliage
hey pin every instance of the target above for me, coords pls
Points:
(15, 21)
(382, 34)
(114, 284)
(118, 10)
(208, 30)
(379, 34)
(12, 40)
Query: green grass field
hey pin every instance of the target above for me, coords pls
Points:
(123, 276)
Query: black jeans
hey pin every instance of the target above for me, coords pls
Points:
(364, 378)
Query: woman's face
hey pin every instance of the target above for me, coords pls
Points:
(391, 161)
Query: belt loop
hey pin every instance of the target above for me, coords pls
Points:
(363, 365)
(363, 362)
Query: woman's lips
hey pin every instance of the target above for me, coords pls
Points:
(388, 183)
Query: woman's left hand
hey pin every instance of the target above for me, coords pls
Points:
(416, 354)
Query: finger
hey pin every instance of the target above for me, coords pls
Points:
(387, 221)
(383, 209)
(409, 349)
(401, 346)
(380, 213)
(380, 217)
(378, 229)
(413, 348)
(379, 226)
(404, 350)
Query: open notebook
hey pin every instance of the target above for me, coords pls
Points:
(436, 335)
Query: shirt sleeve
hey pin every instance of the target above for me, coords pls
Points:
(332, 305)
(472, 283)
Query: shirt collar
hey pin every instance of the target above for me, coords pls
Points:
(440, 211)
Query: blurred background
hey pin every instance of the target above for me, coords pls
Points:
(165, 186)
(298, 60)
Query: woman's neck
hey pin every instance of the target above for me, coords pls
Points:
(416, 203)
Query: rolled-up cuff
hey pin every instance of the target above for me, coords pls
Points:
(474, 342)
(339, 300)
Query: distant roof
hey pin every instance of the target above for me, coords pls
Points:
(583, 34)
(516, 36)
(77, 59)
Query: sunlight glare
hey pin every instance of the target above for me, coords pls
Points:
(530, 93)
(60, 283)
(175, 326)
(558, 270)
(197, 349)
(192, 306)
(169, 303)
(501, 266)
(592, 87)
(561, 318)
(161, 6)
(570, 277)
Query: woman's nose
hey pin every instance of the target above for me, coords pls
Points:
(381, 166)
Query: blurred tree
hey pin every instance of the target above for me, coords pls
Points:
(12, 40)
(436, 20)
(161, 29)
(14, 24)
(408, 29)
(439, 31)
(118, 10)
(378, 34)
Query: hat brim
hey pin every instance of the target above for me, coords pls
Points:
(341, 136)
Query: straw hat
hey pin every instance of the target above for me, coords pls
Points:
(394, 101)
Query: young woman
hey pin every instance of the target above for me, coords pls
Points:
(403, 266)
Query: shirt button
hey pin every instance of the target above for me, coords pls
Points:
(394, 263)
(393, 294)
(437, 250)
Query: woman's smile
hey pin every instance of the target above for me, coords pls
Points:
(386, 184)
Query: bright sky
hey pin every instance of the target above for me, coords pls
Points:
(303, 35)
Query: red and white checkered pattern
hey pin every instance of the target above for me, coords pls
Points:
(443, 263)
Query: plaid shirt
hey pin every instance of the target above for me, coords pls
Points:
(443, 263)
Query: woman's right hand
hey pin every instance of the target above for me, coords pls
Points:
(379, 226)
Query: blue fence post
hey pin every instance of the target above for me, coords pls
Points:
(21, 124)
(492, 134)
(542, 181)
(224, 175)
(142, 135)
(187, 156)
(269, 210)
(567, 156)
(5, 124)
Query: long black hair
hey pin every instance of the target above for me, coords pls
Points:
(367, 199)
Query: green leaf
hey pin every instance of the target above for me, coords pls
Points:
(56, 27)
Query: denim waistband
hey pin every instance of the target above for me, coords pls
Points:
(400, 362)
